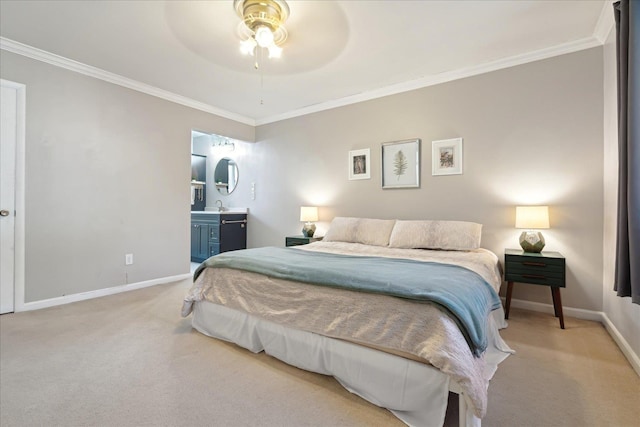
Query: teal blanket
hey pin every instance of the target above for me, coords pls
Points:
(462, 293)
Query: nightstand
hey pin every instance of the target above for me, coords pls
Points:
(300, 240)
(544, 268)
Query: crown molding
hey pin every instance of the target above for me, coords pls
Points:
(59, 61)
(88, 70)
(605, 22)
(426, 81)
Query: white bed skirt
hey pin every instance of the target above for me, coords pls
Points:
(414, 392)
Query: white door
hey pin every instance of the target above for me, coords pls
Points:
(8, 131)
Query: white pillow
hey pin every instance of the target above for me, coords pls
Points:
(341, 230)
(448, 235)
(367, 231)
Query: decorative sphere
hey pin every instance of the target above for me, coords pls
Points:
(532, 241)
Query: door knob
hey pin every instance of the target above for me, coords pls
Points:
(4, 213)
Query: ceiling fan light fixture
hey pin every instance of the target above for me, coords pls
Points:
(262, 25)
(264, 36)
(275, 51)
(248, 46)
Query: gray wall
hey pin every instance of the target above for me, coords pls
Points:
(108, 170)
(622, 313)
(532, 135)
(107, 173)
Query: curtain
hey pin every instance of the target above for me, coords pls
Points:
(627, 276)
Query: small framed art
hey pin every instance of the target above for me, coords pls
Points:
(401, 164)
(360, 164)
(446, 157)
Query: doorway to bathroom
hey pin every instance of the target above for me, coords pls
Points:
(214, 175)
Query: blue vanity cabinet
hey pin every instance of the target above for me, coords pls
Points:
(199, 240)
(213, 233)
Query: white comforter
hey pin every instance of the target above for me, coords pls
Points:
(387, 323)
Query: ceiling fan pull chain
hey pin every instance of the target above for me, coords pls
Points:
(261, 84)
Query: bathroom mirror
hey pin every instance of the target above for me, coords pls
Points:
(226, 175)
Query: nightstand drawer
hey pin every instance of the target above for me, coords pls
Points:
(525, 267)
(538, 261)
(300, 240)
(535, 279)
(294, 241)
(537, 269)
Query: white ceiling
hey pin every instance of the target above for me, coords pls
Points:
(338, 52)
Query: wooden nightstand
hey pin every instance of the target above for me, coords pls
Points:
(300, 240)
(544, 268)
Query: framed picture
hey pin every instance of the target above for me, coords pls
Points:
(360, 164)
(401, 164)
(446, 157)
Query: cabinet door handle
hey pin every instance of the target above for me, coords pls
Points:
(243, 221)
(534, 264)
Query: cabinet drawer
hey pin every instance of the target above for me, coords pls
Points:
(300, 240)
(529, 268)
(535, 262)
(209, 218)
(214, 249)
(536, 279)
(535, 270)
(292, 241)
(214, 234)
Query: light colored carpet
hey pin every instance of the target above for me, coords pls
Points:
(130, 360)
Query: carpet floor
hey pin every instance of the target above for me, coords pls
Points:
(130, 360)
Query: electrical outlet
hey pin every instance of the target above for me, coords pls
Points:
(253, 191)
(128, 259)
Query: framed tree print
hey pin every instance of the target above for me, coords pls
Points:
(401, 164)
(446, 157)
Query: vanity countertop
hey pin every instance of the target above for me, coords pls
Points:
(214, 210)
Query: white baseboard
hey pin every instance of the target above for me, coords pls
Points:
(66, 299)
(580, 313)
(626, 349)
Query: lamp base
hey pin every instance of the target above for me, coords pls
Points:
(308, 229)
(532, 241)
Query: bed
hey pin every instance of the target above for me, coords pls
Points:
(399, 312)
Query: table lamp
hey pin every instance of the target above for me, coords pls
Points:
(532, 218)
(308, 214)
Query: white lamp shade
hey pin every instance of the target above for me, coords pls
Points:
(308, 213)
(532, 217)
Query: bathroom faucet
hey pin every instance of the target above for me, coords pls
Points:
(220, 207)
